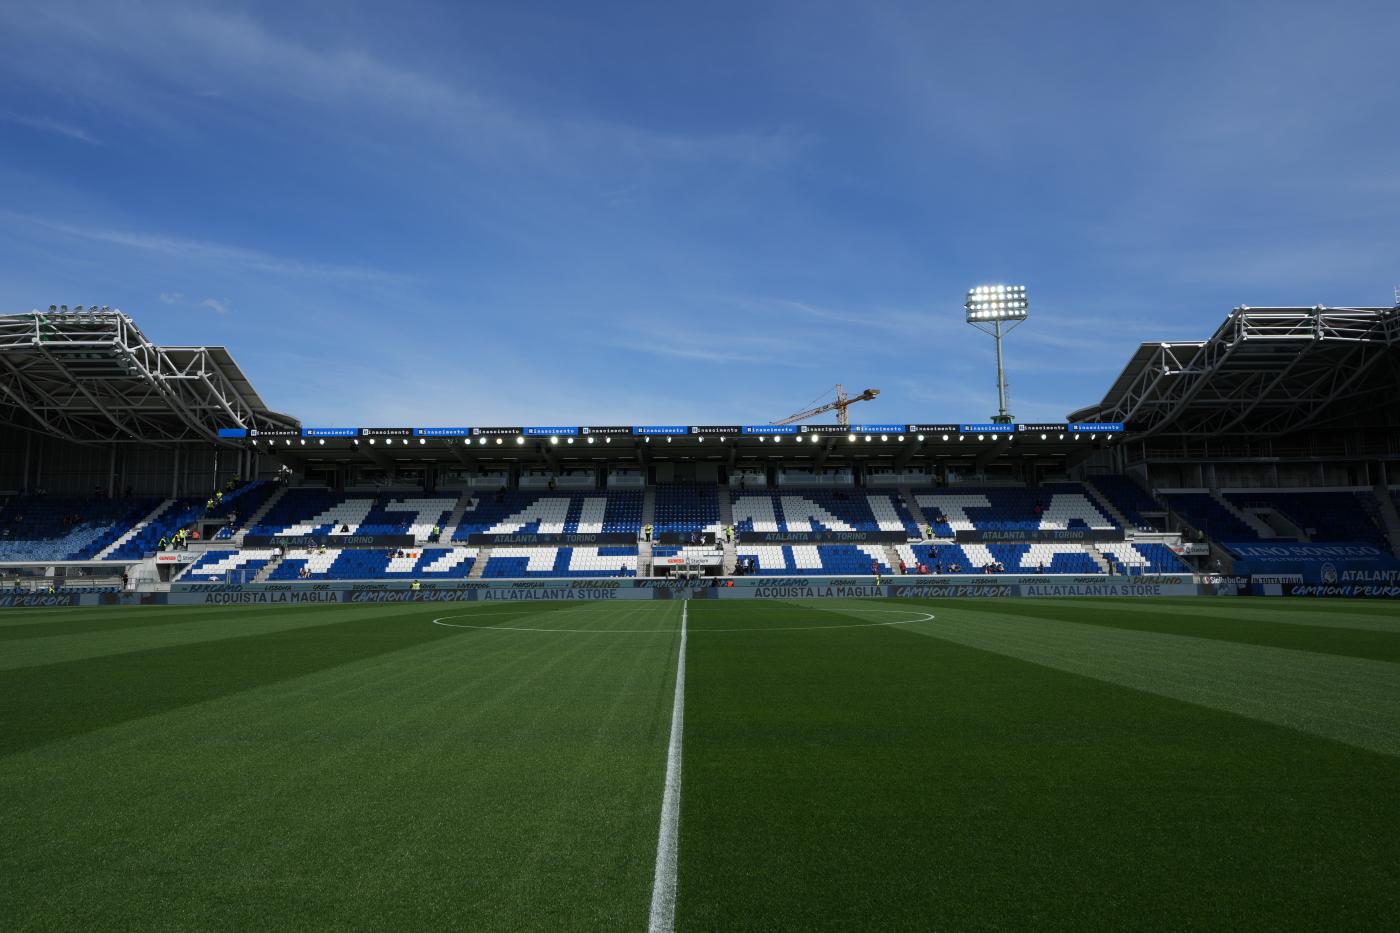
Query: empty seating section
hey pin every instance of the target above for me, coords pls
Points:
(1142, 557)
(1051, 507)
(233, 566)
(686, 507)
(521, 562)
(377, 564)
(407, 515)
(1124, 493)
(615, 511)
(323, 512)
(300, 508)
(821, 510)
(1204, 513)
(814, 560)
(64, 528)
(1322, 516)
(939, 558)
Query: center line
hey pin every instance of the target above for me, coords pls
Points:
(663, 887)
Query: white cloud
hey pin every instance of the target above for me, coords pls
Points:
(206, 251)
(48, 125)
(225, 55)
(215, 304)
(171, 298)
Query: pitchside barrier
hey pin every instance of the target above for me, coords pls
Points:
(311, 593)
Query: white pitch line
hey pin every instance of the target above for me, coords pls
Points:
(663, 886)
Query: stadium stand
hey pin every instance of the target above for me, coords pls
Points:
(315, 511)
(66, 528)
(1011, 508)
(376, 563)
(236, 565)
(821, 510)
(686, 507)
(176, 514)
(512, 511)
(813, 560)
(1204, 513)
(1142, 557)
(1125, 495)
(244, 501)
(1322, 516)
(521, 562)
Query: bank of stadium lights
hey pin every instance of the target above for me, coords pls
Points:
(997, 310)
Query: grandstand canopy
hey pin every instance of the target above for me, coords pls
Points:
(1264, 372)
(93, 377)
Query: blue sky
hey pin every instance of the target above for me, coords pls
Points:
(546, 213)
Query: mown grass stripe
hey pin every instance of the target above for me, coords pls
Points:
(1377, 645)
(1352, 700)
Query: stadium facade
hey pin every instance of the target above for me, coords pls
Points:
(1261, 457)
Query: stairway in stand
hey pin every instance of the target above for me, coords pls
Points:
(134, 531)
(449, 528)
(726, 519)
(257, 516)
(648, 518)
(1389, 516)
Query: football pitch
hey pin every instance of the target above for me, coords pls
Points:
(860, 764)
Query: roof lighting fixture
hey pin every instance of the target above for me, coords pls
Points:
(851, 438)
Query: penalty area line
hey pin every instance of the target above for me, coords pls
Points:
(663, 888)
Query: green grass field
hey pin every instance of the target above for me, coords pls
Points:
(1072, 764)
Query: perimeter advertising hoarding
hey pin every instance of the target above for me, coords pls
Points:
(576, 537)
(685, 537)
(822, 537)
(1355, 563)
(1039, 535)
(329, 540)
(1344, 590)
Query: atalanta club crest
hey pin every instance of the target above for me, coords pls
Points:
(1329, 573)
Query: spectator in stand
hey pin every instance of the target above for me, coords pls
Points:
(903, 570)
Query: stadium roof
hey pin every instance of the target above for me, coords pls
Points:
(1264, 372)
(93, 377)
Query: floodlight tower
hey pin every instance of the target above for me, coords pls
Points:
(996, 310)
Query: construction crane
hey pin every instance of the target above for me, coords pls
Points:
(839, 406)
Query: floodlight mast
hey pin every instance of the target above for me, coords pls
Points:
(1002, 307)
